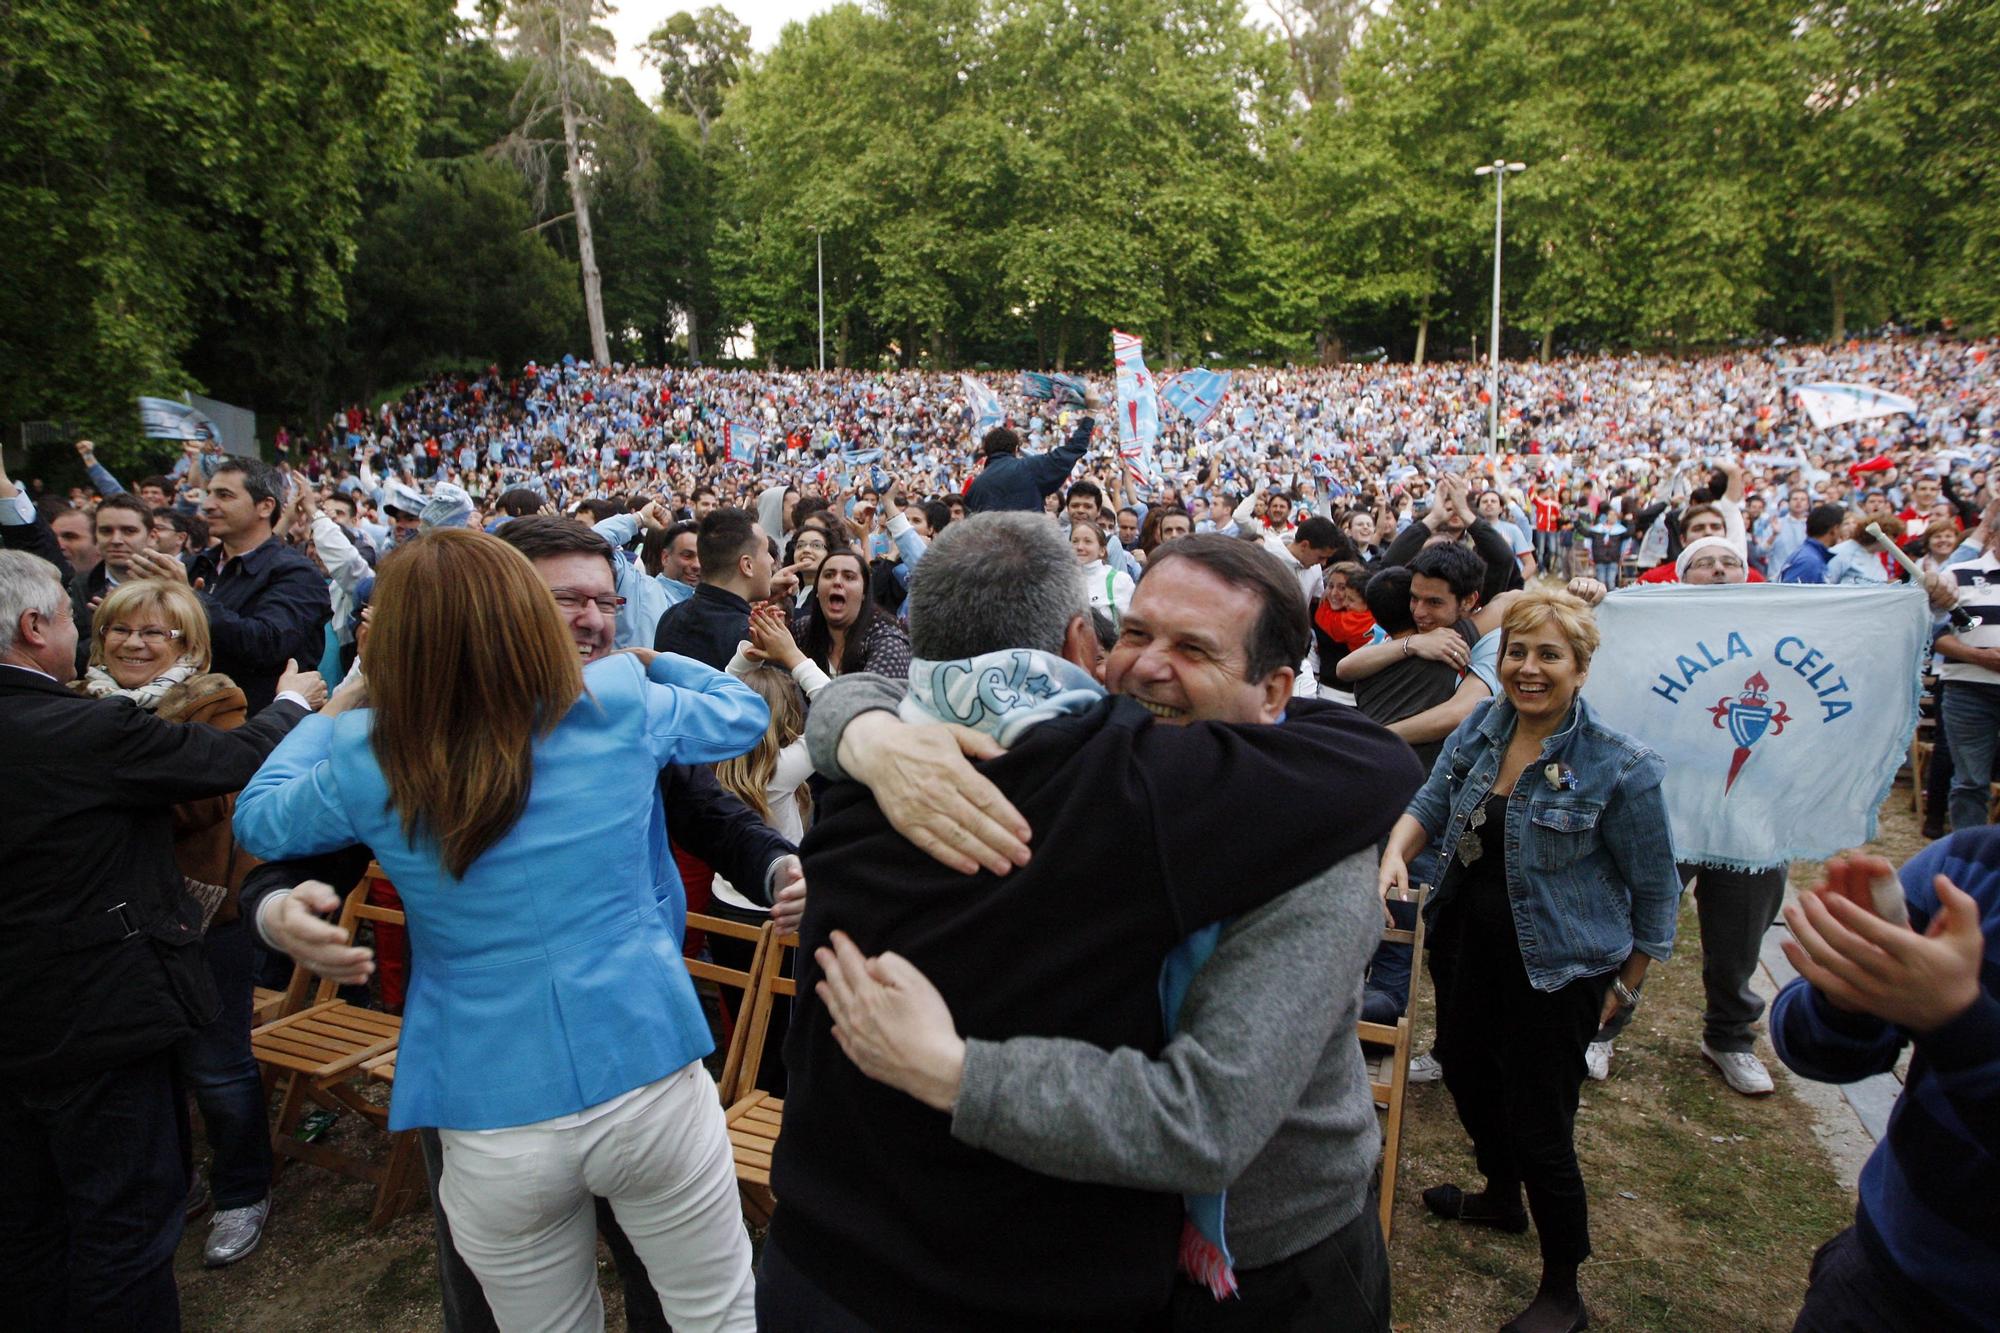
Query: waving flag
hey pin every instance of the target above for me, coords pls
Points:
(860, 457)
(165, 419)
(740, 443)
(1063, 389)
(1246, 417)
(1196, 394)
(982, 405)
(1837, 404)
(1138, 407)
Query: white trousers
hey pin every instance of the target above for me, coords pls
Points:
(519, 1201)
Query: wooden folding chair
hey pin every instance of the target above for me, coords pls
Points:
(755, 1117)
(743, 981)
(321, 1053)
(1390, 1078)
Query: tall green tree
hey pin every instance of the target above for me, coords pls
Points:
(164, 162)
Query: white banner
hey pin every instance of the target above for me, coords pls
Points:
(1837, 404)
(1783, 710)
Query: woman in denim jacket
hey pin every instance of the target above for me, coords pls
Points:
(1558, 889)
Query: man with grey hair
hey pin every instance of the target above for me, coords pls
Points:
(101, 969)
(1130, 860)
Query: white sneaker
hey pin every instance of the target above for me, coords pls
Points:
(1425, 1069)
(1597, 1060)
(1742, 1071)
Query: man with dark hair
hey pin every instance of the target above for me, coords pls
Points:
(178, 535)
(736, 571)
(1261, 1094)
(1446, 581)
(124, 527)
(1808, 564)
(1008, 481)
(1084, 501)
(266, 603)
(1314, 543)
(680, 556)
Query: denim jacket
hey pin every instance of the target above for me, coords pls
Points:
(1590, 869)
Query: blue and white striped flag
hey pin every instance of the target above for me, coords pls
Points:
(1196, 394)
(1062, 389)
(1138, 408)
(982, 405)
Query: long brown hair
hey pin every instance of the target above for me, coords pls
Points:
(748, 776)
(468, 663)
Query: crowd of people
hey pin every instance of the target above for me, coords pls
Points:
(574, 651)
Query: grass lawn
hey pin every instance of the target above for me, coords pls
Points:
(1705, 1206)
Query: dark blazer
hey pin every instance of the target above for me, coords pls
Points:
(706, 627)
(1009, 481)
(101, 962)
(705, 819)
(85, 588)
(264, 606)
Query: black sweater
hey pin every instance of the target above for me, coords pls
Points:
(1143, 832)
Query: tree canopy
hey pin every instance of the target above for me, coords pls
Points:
(290, 208)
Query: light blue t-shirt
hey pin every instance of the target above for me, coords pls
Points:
(1485, 661)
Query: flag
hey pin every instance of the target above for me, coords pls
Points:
(165, 419)
(1138, 408)
(1196, 394)
(982, 405)
(1831, 404)
(860, 457)
(1783, 711)
(1246, 417)
(740, 443)
(1062, 389)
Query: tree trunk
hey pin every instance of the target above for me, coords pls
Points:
(1332, 350)
(586, 248)
(1839, 309)
(1423, 333)
(1167, 343)
(1062, 343)
(840, 347)
(1548, 341)
(694, 335)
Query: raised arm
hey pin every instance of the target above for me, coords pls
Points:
(696, 714)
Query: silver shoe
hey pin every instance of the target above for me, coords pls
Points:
(234, 1232)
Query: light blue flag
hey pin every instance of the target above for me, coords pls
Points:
(1246, 417)
(982, 405)
(165, 419)
(740, 442)
(1196, 394)
(860, 457)
(1784, 711)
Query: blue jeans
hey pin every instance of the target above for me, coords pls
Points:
(1972, 725)
(1386, 992)
(1606, 572)
(217, 1064)
(90, 1213)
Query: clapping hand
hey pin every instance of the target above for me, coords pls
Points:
(1866, 965)
(159, 565)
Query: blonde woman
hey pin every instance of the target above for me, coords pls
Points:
(552, 1034)
(149, 648)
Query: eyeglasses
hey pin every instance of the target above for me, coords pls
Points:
(152, 636)
(569, 599)
(808, 544)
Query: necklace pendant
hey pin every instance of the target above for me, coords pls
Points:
(1469, 848)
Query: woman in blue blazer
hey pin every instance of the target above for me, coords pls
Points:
(551, 1032)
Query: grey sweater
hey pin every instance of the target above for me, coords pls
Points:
(1262, 1091)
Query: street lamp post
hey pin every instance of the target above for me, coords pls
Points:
(1498, 169)
(819, 251)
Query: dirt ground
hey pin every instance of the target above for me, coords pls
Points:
(1705, 1206)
